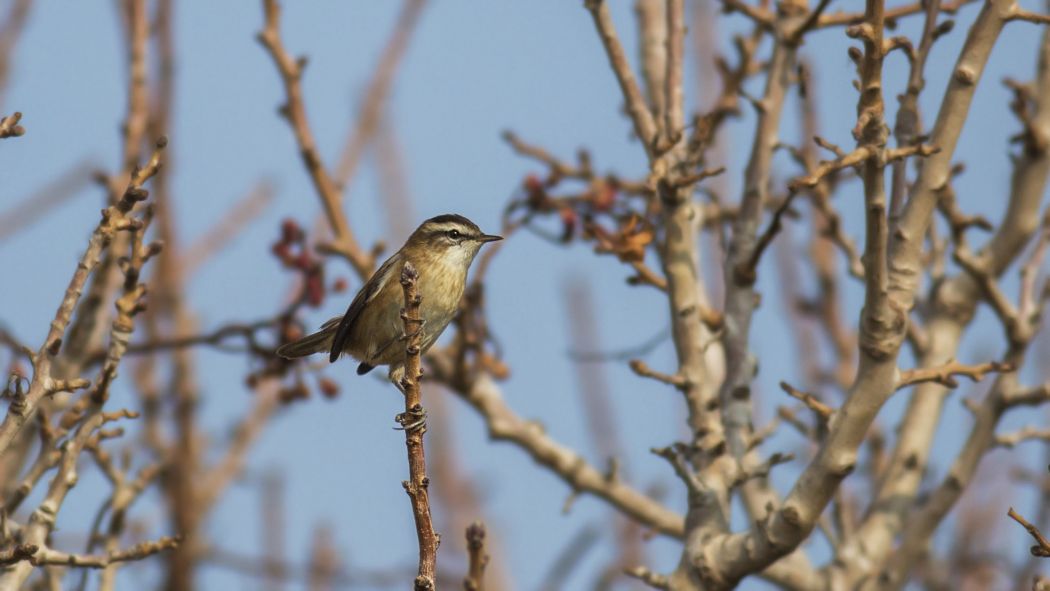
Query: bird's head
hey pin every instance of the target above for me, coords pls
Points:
(450, 238)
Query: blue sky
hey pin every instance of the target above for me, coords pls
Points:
(473, 69)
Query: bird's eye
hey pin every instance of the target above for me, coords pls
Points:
(454, 234)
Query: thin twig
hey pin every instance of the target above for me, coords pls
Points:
(116, 218)
(478, 559)
(370, 114)
(643, 574)
(945, 374)
(47, 556)
(9, 126)
(839, 19)
(812, 402)
(1043, 547)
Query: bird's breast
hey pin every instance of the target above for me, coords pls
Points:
(441, 288)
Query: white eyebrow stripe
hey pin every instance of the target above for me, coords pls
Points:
(446, 226)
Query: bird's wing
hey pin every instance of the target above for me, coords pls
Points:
(371, 288)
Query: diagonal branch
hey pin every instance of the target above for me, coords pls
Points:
(294, 110)
(505, 425)
(115, 219)
(9, 126)
(1043, 546)
(370, 115)
(641, 116)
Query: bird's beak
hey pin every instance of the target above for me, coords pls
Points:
(489, 238)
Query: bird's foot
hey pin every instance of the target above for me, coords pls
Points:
(413, 419)
(422, 325)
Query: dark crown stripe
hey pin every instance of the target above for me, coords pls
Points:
(451, 218)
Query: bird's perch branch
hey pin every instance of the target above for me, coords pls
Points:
(412, 420)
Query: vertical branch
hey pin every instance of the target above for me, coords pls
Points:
(87, 414)
(652, 30)
(324, 561)
(880, 322)
(413, 422)
(125, 493)
(478, 559)
(88, 327)
(675, 61)
(953, 305)
(741, 298)
(599, 413)
(877, 374)
(906, 128)
(370, 115)
(456, 493)
(272, 491)
(393, 186)
(593, 386)
(822, 245)
(904, 258)
(138, 111)
(10, 31)
(115, 220)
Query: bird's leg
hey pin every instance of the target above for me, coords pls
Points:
(404, 337)
(396, 374)
(422, 325)
(412, 419)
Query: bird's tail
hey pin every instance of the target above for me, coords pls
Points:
(318, 342)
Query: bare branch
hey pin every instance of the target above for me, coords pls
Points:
(641, 368)
(9, 126)
(945, 374)
(291, 71)
(1020, 14)
(675, 119)
(1043, 547)
(813, 403)
(504, 425)
(643, 574)
(839, 19)
(1028, 433)
(11, 29)
(370, 114)
(477, 558)
(413, 422)
(761, 16)
(47, 556)
(644, 125)
(116, 218)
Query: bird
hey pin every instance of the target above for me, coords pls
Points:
(441, 249)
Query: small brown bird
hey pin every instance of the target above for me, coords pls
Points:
(441, 249)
